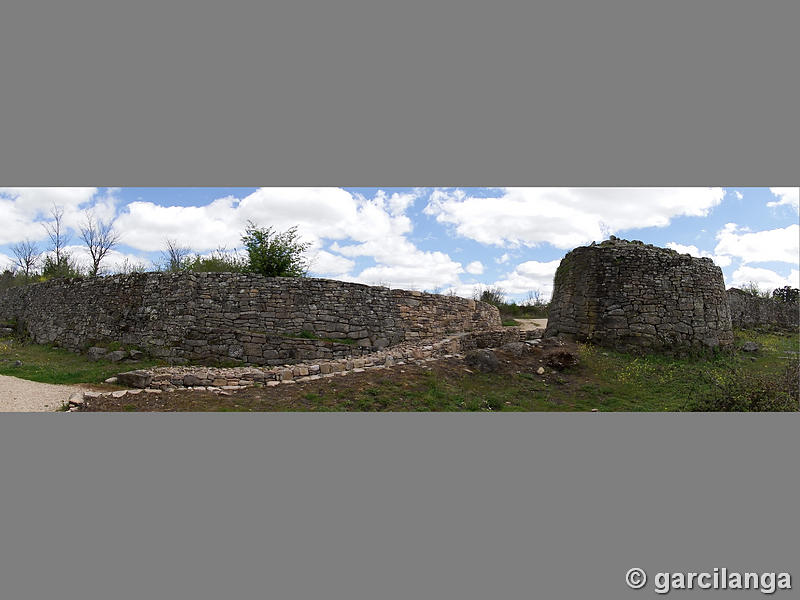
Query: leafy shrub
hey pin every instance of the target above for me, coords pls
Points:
(273, 253)
(741, 390)
(786, 294)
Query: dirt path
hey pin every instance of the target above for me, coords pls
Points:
(21, 395)
(530, 324)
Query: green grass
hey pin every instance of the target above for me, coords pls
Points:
(604, 380)
(47, 364)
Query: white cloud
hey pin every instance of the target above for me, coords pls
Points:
(474, 268)
(766, 279)
(529, 276)
(738, 194)
(786, 197)
(503, 259)
(24, 210)
(565, 217)
(5, 262)
(720, 261)
(782, 245)
(326, 264)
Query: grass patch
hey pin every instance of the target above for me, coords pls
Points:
(47, 364)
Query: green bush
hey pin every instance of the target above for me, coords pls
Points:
(275, 254)
(742, 390)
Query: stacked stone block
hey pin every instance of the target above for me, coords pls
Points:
(243, 319)
(637, 297)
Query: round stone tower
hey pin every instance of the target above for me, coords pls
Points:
(636, 297)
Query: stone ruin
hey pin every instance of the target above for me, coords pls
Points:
(236, 319)
(632, 296)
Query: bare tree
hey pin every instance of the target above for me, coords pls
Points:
(174, 256)
(99, 238)
(26, 256)
(56, 230)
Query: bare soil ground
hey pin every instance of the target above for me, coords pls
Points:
(21, 395)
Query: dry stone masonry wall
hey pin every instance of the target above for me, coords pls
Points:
(242, 319)
(750, 311)
(632, 296)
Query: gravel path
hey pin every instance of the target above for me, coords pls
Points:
(21, 395)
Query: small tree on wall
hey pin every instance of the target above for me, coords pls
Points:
(786, 294)
(275, 254)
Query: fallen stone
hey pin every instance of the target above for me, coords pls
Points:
(191, 380)
(540, 371)
(137, 379)
(119, 393)
(482, 359)
(96, 353)
(514, 348)
(111, 380)
(117, 355)
(136, 354)
(750, 347)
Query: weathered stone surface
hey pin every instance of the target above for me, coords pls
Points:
(250, 319)
(116, 356)
(633, 296)
(96, 353)
(750, 347)
(482, 359)
(137, 379)
(750, 311)
(191, 380)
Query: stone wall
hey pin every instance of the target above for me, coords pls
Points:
(213, 317)
(750, 311)
(632, 296)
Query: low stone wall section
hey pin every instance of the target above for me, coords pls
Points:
(169, 378)
(211, 318)
(638, 297)
(749, 311)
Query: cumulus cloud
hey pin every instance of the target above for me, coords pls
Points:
(357, 226)
(565, 217)
(781, 245)
(738, 194)
(503, 259)
(474, 268)
(324, 263)
(720, 261)
(786, 197)
(24, 210)
(766, 279)
(6, 262)
(530, 276)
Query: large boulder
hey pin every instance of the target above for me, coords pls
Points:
(482, 359)
(96, 353)
(137, 379)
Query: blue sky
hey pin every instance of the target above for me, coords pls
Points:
(436, 239)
